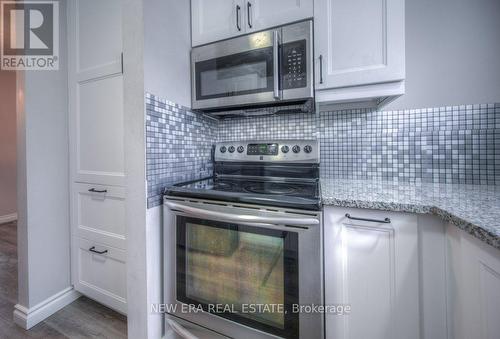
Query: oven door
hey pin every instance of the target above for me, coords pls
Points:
(243, 270)
(236, 72)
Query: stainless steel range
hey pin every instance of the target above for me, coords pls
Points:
(243, 248)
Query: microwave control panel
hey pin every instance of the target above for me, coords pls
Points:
(294, 65)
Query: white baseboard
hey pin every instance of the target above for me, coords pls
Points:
(27, 318)
(8, 218)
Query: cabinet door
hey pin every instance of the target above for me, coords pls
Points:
(262, 14)
(98, 37)
(99, 272)
(473, 269)
(213, 20)
(373, 267)
(360, 42)
(99, 214)
(97, 137)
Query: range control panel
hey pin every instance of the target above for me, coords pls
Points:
(306, 151)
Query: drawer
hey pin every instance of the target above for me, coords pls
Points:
(102, 277)
(98, 214)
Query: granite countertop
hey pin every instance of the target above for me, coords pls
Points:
(473, 208)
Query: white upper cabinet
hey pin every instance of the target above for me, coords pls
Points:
(371, 264)
(98, 42)
(262, 14)
(359, 43)
(214, 20)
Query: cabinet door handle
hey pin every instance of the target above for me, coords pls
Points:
(320, 68)
(238, 14)
(385, 221)
(93, 190)
(92, 249)
(121, 59)
(249, 8)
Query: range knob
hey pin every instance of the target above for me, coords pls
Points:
(223, 149)
(296, 149)
(241, 149)
(285, 149)
(308, 148)
(231, 149)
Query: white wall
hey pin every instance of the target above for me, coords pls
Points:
(43, 184)
(8, 191)
(452, 53)
(135, 153)
(167, 46)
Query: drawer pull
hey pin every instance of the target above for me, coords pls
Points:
(92, 249)
(93, 190)
(385, 221)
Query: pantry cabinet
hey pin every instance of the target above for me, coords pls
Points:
(221, 19)
(97, 169)
(360, 50)
(371, 264)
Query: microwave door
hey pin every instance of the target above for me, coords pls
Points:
(236, 72)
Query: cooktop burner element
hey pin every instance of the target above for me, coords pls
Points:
(270, 188)
(261, 172)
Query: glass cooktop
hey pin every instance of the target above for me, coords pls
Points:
(274, 193)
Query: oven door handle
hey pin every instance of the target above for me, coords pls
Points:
(184, 333)
(253, 219)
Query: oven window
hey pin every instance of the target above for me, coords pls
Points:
(241, 267)
(244, 73)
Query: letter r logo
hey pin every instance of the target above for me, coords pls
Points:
(28, 28)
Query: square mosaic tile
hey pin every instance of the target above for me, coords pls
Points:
(453, 144)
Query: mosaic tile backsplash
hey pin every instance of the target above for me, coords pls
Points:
(456, 144)
(178, 145)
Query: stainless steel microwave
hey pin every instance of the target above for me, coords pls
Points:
(271, 67)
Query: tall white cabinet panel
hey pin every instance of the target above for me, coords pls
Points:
(98, 50)
(99, 128)
(262, 14)
(361, 41)
(213, 20)
(372, 266)
(95, 80)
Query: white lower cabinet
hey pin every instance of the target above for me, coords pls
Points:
(99, 272)
(473, 269)
(99, 213)
(371, 265)
(99, 243)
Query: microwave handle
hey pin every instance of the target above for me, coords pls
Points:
(276, 65)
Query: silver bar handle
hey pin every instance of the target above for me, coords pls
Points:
(238, 17)
(276, 65)
(320, 68)
(385, 221)
(184, 333)
(249, 14)
(255, 219)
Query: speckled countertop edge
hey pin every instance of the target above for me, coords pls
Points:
(472, 208)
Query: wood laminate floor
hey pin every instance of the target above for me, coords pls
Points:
(84, 318)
